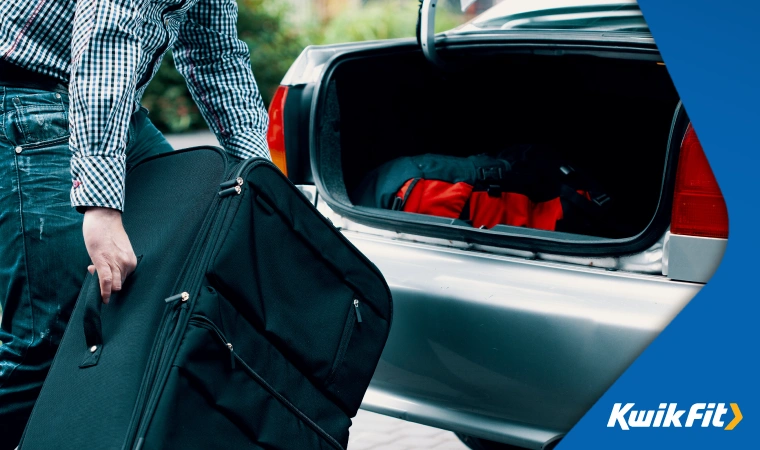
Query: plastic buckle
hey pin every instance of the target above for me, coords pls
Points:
(601, 199)
(567, 170)
(490, 173)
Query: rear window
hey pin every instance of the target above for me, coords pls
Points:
(596, 15)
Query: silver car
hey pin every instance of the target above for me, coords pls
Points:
(508, 335)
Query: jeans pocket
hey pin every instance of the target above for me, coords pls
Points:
(46, 175)
(39, 119)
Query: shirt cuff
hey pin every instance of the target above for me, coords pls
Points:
(247, 145)
(97, 181)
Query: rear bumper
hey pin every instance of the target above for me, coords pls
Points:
(504, 348)
(691, 258)
(472, 424)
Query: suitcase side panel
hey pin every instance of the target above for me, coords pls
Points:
(92, 407)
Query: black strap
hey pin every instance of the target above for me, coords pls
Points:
(581, 182)
(93, 327)
(465, 214)
(398, 202)
(596, 213)
(589, 207)
(93, 330)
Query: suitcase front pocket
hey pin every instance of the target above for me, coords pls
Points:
(288, 288)
(246, 411)
(354, 317)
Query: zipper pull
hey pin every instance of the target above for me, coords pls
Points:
(356, 310)
(183, 296)
(232, 356)
(233, 190)
(231, 183)
(231, 187)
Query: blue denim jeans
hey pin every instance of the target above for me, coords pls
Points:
(43, 259)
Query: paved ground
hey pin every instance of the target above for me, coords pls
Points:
(372, 431)
(194, 139)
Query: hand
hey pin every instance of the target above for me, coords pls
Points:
(109, 249)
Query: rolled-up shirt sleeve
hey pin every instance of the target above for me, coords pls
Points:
(217, 67)
(105, 52)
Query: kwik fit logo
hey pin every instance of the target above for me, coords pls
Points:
(668, 415)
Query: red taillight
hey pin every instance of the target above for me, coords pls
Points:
(698, 205)
(276, 132)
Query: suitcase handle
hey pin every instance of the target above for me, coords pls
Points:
(93, 327)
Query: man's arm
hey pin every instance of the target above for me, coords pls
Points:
(217, 67)
(105, 53)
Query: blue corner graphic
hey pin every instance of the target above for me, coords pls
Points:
(707, 358)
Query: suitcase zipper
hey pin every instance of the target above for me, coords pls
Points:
(356, 310)
(204, 322)
(183, 296)
(352, 320)
(200, 253)
(155, 376)
(171, 331)
(232, 356)
(196, 258)
(231, 187)
(152, 379)
(235, 184)
(152, 372)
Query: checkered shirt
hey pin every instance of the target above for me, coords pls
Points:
(108, 51)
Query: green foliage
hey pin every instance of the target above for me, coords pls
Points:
(171, 108)
(273, 41)
(383, 20)
(274, 45)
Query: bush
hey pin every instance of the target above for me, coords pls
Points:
(383, 20)
(274, 45)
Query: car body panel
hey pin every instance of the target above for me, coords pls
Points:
(503, 347)
(532, 343)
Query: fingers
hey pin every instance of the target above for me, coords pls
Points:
(109, 248)
(129, 265)
(117, 278)
(112, 274)
(105, 276)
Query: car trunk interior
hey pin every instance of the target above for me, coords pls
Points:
(608, 117)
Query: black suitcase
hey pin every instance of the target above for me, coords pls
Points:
(249, 323)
